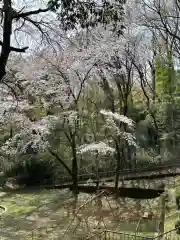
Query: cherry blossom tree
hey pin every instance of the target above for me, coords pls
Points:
(114, 139)
(49, 91)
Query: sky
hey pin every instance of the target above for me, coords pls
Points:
(28, 35)
(29, 4)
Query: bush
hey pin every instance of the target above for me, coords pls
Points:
(32, 171)
(177, 226)
(143, 160)
(178, 202)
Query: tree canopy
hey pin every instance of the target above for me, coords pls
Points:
(88, 95)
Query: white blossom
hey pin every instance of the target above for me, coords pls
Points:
(111, 120)
(30, 133)
(20, 142)
(118, 117)
(112, 126)
(129, 138)
(96, 148)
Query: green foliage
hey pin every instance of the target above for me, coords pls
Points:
(167, 110)
(177, 226)
(146, 134)
(165, 77)
(73, 13)
(168, 120)
(143, 160)
(32, 171)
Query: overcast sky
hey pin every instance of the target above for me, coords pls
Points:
(29, 35)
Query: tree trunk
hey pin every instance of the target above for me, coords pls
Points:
(153, 68)
(74, 167)
(117, 180)
(7, 30)
(97, 173)
(118, 157)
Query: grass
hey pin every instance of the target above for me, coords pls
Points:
(46, 214)
(41, 213)
(40, 210)
(173, 214)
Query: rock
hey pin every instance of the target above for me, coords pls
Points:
(32, 217)
(21, 203)
(2, 194)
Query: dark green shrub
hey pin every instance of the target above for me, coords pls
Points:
(177, 226)
(32, 171)
(178, 202)
(143, 161)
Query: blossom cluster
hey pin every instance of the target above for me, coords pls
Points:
(103, 148)
(96, 148)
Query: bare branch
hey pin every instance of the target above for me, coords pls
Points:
(14, 49)
(26, 14)
(84, 80)
(60, 161)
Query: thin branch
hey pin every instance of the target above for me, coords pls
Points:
(60, 161)
(83, 81)
(11, 88)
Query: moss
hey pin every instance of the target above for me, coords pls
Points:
(52, 208)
